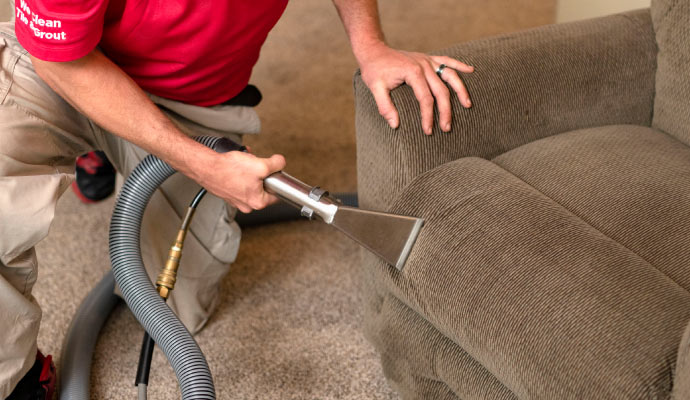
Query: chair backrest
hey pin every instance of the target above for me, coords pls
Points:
(671, 20)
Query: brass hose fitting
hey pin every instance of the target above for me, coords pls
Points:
(168, 275)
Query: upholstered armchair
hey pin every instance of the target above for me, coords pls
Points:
(555, 258)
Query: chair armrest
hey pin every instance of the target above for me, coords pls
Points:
(526, 86)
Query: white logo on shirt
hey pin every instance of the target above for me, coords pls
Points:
(35, 23)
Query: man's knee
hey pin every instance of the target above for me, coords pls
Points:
(20, 271)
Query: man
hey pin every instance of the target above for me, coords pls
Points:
(131, 77)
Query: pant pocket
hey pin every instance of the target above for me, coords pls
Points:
(8, 62)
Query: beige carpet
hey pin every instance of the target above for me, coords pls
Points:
(289, 323)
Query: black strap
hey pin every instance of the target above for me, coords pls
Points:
(249, 96)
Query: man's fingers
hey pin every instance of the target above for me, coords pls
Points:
(256, 197)
(442, 97)
(417, 70)
(242, 207)
(261, 200)
(452, 78)
(385, 104)
(455, 64)
(267, 199)
(421, 90)
(274, 163)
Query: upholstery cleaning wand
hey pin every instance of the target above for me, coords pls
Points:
(389, 236)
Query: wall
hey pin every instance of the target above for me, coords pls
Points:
(571, 10)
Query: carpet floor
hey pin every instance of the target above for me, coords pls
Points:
(288, 326)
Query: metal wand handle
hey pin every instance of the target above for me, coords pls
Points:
(311, 199)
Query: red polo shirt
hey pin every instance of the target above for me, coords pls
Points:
(196, 51)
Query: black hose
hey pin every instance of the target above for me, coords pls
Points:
(198, 198)
(147, 344)
(145, 356)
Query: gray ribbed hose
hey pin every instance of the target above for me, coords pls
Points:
(81, 338)
(80, 341)
(82, 335)
(148, 307)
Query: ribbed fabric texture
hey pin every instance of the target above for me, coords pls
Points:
(629, 182)
(547, 304)
(526, 86)
(671, 105)
(559, 270)
(422, 363)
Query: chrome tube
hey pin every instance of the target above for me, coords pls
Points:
(312, 199)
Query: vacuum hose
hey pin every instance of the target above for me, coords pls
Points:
(184, 354)
(160, 322)
(81, 338)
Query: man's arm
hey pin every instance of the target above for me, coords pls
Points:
(384, 68)
(104, 93)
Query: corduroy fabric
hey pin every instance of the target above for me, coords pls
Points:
(569, 280)
(526, 86)
(629, 182)
(419, 360)
(671, 106)
(546, 303)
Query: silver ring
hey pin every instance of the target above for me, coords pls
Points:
(439, 70)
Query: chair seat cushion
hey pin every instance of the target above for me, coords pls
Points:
(631, 183)
(544, 299)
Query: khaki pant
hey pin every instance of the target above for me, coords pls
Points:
(40, 137)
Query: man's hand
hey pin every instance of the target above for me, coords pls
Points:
(384, 69)
(237, 178)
